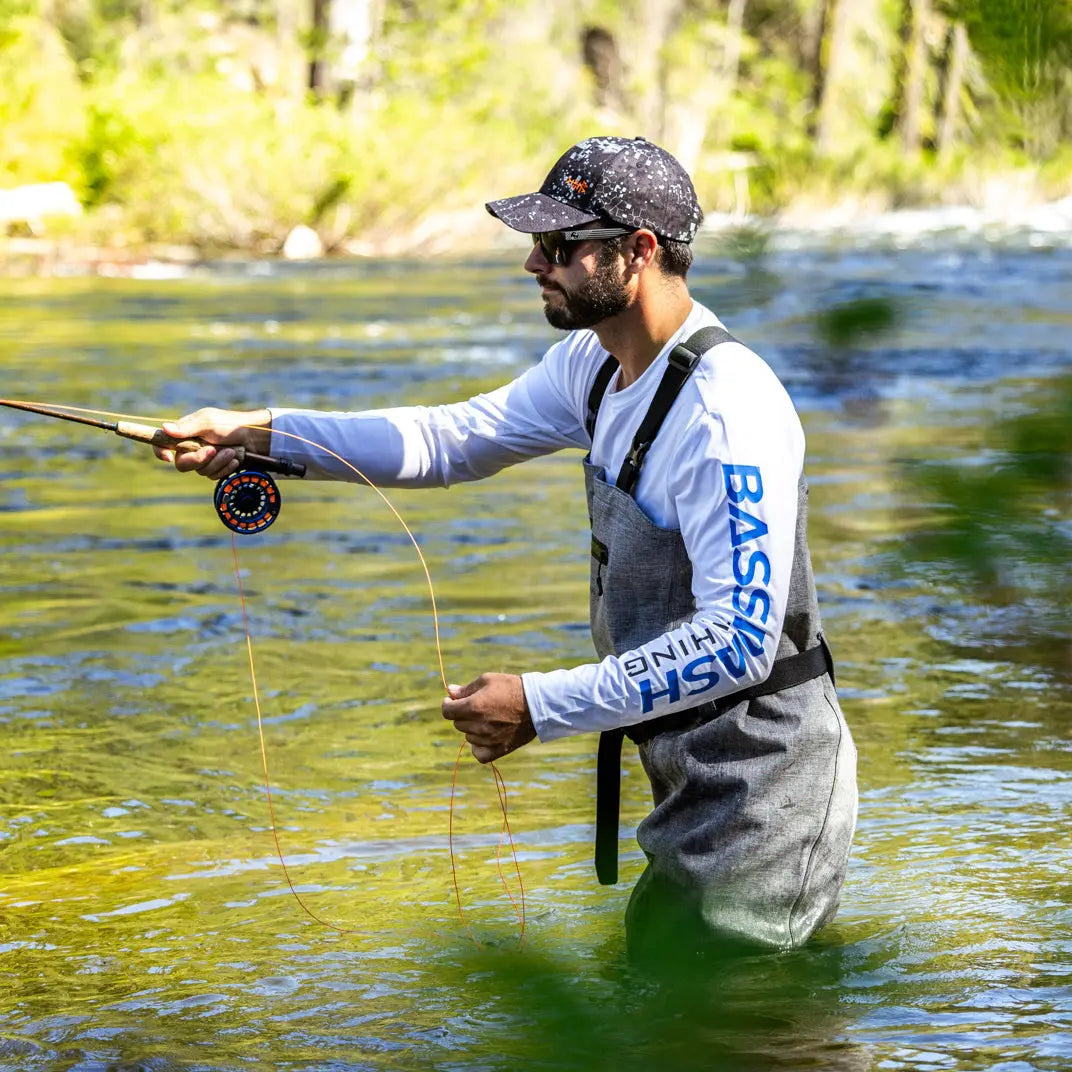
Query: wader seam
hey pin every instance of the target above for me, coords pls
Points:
(826, 820)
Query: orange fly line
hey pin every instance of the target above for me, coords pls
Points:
(506, 834)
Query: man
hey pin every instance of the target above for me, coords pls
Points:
(703, 607)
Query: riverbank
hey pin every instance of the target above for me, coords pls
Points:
(460, 234)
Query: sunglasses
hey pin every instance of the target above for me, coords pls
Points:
(558, 246)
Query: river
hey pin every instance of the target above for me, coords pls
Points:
(145, 922)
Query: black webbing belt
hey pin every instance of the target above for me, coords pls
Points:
(792, 670)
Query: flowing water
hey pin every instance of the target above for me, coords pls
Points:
(145, 922)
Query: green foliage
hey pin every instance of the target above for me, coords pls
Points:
(999, 526)
(189, 122)
(1025, 47)
(42, 103)
(685, 1011)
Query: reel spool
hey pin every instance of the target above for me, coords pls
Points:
(247, 502)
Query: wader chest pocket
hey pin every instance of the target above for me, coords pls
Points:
(601, 557)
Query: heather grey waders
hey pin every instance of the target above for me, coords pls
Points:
(754, 793)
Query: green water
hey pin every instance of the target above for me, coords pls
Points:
(145, 922)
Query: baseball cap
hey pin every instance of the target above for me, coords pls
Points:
(630, 181)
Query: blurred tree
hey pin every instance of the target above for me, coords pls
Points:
(317, 46)
(601, 57)
(815, 47)
(909, 121)
(1025, 47)
(338, 43)
(909, 70)
(951, 85)
(835, 51)
(731, 59)
(751, 94)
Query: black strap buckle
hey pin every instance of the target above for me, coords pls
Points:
(682, 358)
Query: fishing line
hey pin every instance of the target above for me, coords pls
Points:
(505, 832)
(500, 785)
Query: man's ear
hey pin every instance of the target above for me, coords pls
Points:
(643, 249)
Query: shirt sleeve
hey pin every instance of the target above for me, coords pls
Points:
(734, 485)
(436, 446)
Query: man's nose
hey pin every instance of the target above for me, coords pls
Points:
(536, 262)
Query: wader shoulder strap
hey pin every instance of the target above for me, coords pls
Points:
(599, 389)
(693, 348)
(787, 672)
(681, 360)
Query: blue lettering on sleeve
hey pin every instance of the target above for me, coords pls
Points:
(735, 669)
(747, 527)
(756, 560)
(743, 483)
(703, 679)
(751, 633)
(648, 695)
(755, 597)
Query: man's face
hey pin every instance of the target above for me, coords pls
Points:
(589, 290)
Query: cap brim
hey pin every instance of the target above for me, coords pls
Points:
(531, 213)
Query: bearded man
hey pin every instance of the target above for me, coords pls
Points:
(710, 651)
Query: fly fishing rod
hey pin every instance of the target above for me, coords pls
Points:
(247, 501)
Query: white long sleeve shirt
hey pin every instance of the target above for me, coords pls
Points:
(723, 471)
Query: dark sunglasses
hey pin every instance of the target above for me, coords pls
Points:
(558, 246)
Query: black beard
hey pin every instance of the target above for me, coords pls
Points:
(601, 296)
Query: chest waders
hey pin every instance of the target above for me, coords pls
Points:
(755, 792)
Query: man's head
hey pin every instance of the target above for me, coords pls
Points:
(624, 182)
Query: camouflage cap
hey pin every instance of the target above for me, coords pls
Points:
(627, 180)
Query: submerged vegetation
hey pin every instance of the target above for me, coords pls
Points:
(223, 125)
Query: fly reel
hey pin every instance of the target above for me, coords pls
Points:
(247, 502)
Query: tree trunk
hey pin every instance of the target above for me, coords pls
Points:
(318, 39)
(838, 52)
(657, 19)
(814, 59)
(340, 42)
(601, 57)
(354, 25)
(731, 60)
(910, 120)
(951, 89)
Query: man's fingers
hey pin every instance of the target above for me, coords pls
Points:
(471, 726)
(459, 703)
(208, 461)
(459, 692)
(195, 425)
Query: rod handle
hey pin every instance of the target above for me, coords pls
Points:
(157, 437)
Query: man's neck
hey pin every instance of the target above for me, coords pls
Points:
(636, 335)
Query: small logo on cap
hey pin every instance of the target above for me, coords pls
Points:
(578, 186)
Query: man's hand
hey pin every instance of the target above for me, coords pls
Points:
(221, 429)
(492, 713)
